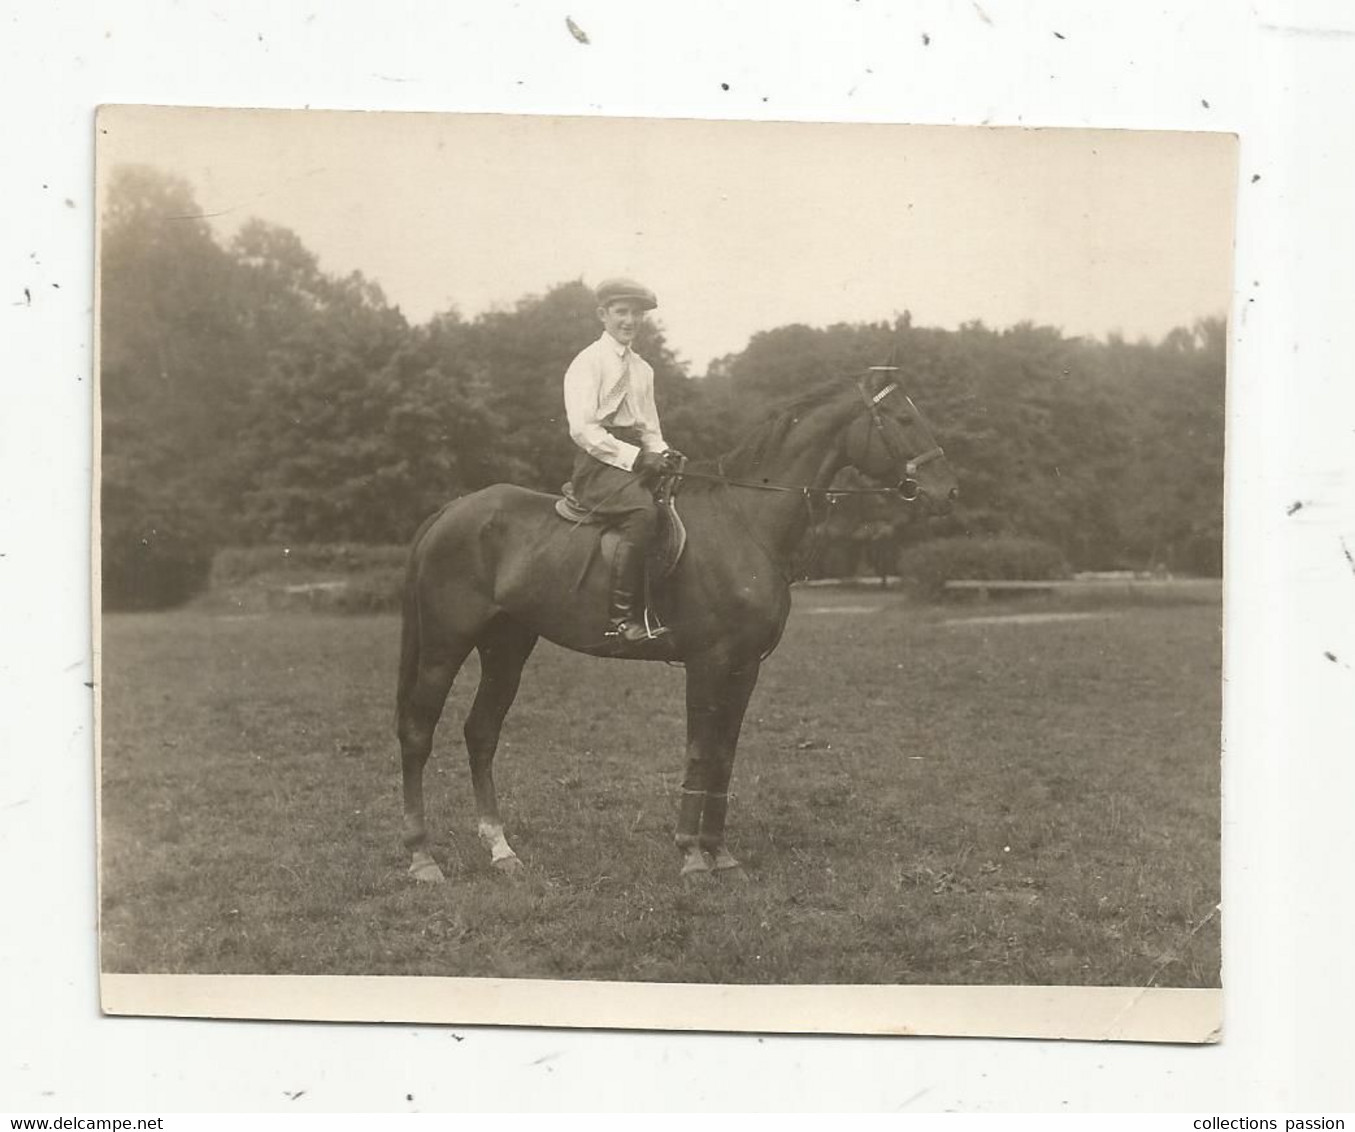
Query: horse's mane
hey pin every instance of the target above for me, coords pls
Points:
(769, 434)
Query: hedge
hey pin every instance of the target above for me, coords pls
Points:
(241, 563)
(928, 566)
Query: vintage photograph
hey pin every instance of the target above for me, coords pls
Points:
(643, 552)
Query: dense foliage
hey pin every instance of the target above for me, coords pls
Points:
(250, 398)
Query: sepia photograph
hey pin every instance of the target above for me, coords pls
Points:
(593, 560)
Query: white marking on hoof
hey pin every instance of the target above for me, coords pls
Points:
(723, 860)
(425, 870)
(695, 863)
(501, 854)
(509, 866)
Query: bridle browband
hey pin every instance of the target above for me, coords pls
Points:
(872, 404)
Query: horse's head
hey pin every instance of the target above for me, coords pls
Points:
(890, 442)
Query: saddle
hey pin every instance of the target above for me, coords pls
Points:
(670, 533)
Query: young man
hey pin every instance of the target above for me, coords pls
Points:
(609, 401)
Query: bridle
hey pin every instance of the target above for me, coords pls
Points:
(908, 489)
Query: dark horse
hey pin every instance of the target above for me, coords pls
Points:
(497, 569)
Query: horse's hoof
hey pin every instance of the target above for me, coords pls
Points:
(425, 870)
(696, 865)
(722, 861)
(509, 866)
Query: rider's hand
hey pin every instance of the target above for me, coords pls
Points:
(674, 458)
(650, 464)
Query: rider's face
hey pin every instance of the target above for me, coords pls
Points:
(622, 319)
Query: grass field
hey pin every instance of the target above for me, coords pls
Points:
(919, 798)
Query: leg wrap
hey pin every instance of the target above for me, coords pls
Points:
(713, 819)
(689, 818)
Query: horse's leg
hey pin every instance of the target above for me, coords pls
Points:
(701, 718)
(735, 692)
(418, 711)
(716, 700)
(504, 648)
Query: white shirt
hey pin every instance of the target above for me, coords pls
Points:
(610, 384)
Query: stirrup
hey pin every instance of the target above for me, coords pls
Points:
(656, 628)
(634, 632)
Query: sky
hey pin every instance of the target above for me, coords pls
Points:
(737, 226)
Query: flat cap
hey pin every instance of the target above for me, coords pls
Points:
(613, 290)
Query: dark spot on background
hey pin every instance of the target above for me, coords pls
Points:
(724, 86)
(1205, 103)
(1297, 505)
(1059, 35)
(1255, 177)
(1330, 656)
(926, 39)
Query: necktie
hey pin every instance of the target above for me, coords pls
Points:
(623, 383)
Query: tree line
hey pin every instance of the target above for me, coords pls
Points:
(250, 397)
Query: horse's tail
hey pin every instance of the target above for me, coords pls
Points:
(409, 618)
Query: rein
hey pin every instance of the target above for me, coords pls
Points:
(806, 490)
(910, 467)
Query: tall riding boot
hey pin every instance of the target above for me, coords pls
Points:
(626, 611)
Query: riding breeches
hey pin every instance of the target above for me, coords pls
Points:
(621, 499)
